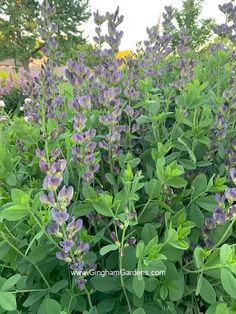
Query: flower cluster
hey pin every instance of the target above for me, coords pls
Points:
(225, 210)
(228, 29)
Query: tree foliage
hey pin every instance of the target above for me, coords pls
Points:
(20, 20)
(188, 18)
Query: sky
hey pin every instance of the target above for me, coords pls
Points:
(142, 13)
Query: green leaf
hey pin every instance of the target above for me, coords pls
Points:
(88, 192)
(139, 310)
(163, 292)
(52, 306)
(14, 212)
(225, 252)
(59, 286)
(108, 248)
(207, 292)
(106, 306)
(148, 233)
(33, 298)
(228, 282)
(103, 205)
(198, 256)
(9, 283)
(106, 284)
(140, 249)
(19, 197)
(199, 284)
(190, 152)
(8, 301)
(138, 286)
(207, 202)
(153, 188)
(177, 182)
(222, 309)
(199, 185)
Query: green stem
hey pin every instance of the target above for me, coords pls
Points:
(89, 298)
(121, 267)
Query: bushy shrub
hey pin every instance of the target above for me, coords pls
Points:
(127, 167)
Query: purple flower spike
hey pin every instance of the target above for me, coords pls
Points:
(60, 216)
(66, 245)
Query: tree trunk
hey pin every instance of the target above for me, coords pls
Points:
(25, 65)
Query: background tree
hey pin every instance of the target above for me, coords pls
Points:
(18, 25)
(70, 14)
(188, 18)
(20, 20)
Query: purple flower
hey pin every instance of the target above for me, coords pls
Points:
(65, 195)
(80, 282)
(131, 241)
(53, 229)
(43, 166)
(51, 183)
(94, 168)
(47, 199)
(103, 145)
(230, 194)
(114, 237)
(87, 177)
(74, 104)
(66, 245)
(219, 216)
(77, 266)
(58, 166)
(40, 153)
(82, 248)
(74, 226)
(60, 216)
(79, 138)
(89, 159)
(118, 223)
(110, 94)
(232, 173)
(84, 102)
(80, 121)
(232, 211)
(90, 147)
(210, 223)
(90, 134)
(129, 111)
(62, 256)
